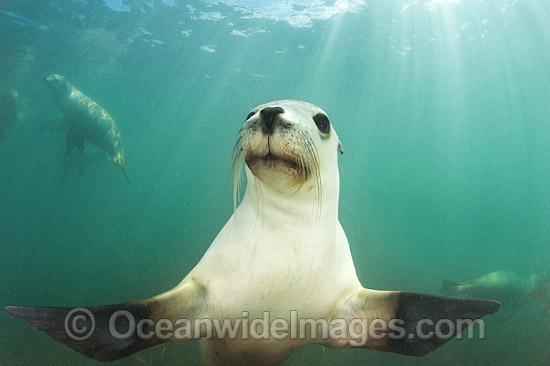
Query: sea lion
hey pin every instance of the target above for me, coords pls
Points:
(281, 260)
(87, 120)
(8, 111)
(509, 288)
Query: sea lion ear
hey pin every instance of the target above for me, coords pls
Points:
(340, 147)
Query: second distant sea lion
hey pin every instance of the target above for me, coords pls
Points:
(509, 288)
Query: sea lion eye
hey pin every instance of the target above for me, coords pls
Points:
(322, 122)
(250, 115)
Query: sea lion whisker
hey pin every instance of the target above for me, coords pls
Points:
(237, 170)
(313, 169)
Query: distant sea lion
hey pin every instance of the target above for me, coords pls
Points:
(8, 111)
(283, 257)
(87, 120)
(509, 288)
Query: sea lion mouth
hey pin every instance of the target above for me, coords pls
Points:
(271, 165)
(272, 161)
(271, 158)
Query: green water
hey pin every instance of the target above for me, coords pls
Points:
(442, 108)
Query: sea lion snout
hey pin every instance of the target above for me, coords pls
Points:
(278, 144)
(51, 78)
(57, 84)
(48, 80)
(268, 116)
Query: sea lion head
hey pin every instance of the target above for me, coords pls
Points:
(288, 145)
(58, 84)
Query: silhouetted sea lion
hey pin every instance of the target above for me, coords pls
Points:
(8, 111)
(87, 120)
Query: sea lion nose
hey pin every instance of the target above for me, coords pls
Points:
(268, 115)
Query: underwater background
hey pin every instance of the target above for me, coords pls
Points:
(442, 108)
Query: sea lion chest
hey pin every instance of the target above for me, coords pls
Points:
(277, 268)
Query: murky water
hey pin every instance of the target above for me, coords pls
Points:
(442, 108)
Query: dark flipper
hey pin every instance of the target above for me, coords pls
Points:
(74, 139)
(421, 323)
(454, 316)
(107, 333)
(94, 339)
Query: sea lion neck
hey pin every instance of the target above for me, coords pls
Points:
(306, 204)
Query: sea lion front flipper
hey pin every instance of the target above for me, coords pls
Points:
(74, 139)
(411, 319)
(108, 333)
(100, 345)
